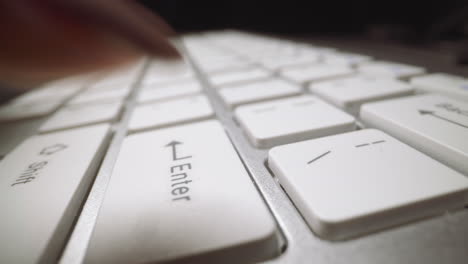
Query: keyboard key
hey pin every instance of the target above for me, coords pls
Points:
(182, 194)
(433, 124)
(111, 82)
(390, 69)
(122, 76)
(173, 112)
(449, 85)
(13, 133)
(157, 92)
(43, 183)
(275, 62)
(350, 93)
(237, 76)
(354, 183)
(46, 94)
(315, 73)
(257, 91)
(93, 95)
(293, 119)
(219, 65)
(72, 116)
(163, 72)
(58, 90)
(343, 58)
(12, 112)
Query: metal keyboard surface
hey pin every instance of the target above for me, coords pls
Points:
(442, 239)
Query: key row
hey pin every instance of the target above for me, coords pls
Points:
(433, 124)
(372, 162)
(306, 70)
(80, 94)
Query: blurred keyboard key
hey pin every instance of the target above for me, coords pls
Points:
(163, 72)
(71, 116)
(12, 112)
(172, 112)
(238, 76)
(156, 92)
(292, 119)
(433, 124)
(278, 62)
(315, 73)
(236, 95)
(446, 84)
(92, 95)
(350, 93)
(390, 69)
(342, 58)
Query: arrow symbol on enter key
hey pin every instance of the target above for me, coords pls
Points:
(173, 144)
(432, 113)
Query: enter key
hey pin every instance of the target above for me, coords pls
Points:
(182, 194)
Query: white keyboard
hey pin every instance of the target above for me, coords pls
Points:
(253, 149)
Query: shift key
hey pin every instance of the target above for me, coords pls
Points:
(42, 185)
(182, 195)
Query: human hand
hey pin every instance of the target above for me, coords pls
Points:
(43, 40)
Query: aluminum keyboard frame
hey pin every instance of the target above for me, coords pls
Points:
(442, 239)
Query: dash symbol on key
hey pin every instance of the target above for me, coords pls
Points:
(361, 145)
(319, 157)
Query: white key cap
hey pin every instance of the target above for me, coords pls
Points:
(111, 82)
(93, 95)
(173, 112)
(292, 119)
(350, 93)
(441, 83)
(72, 116)
(157, 92)
(43, 95)
(58, 90)
(436, 125)
(43, 183)
(275, 63)
(354, 183)
(181, 194)
(160, 72)
(218, 66)
(315, 73)
(74, 82)
(390, 69)
(257, 91)
(238, 76)
(13, 133)
(11, 112)
(342, 58)
(123, 76)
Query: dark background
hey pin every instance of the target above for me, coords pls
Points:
(407, 20)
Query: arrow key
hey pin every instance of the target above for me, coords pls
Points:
(433, 124)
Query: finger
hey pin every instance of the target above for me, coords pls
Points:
(40, 43)
(125, 18)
